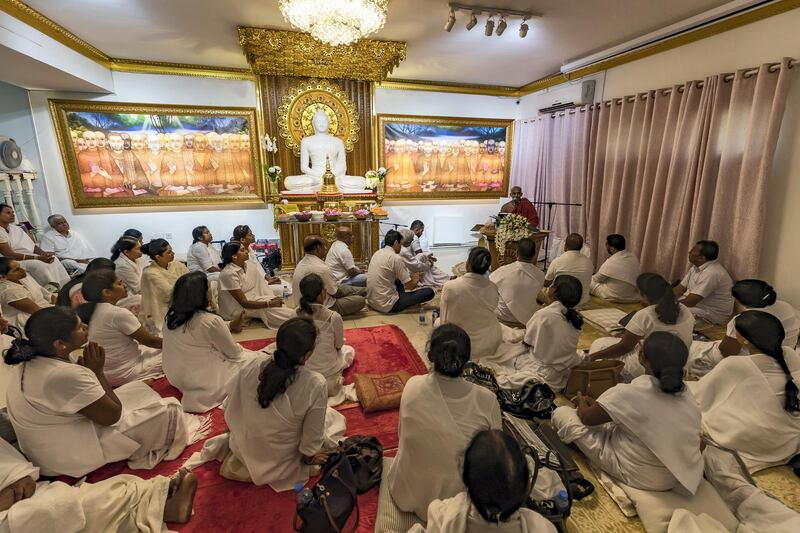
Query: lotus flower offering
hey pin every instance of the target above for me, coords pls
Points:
(361, 214)
(303, 216)
(332, 214)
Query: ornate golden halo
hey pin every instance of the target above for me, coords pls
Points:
(301, 103)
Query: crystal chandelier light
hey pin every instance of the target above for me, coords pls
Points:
(335, 22)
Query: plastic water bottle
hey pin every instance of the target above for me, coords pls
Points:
(304, 495)
(434, 316)
(285, 292)
(562, 501)
(421, 315)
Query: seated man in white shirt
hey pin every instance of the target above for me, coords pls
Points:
(344, 299)
(390, 287)
(340, 260)
(420, 243)
(706, 288)
(518, 285)
(67, 244)
(615, 280)
(571, 262)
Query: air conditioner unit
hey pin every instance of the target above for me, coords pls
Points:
(10, 154)
(569, 96)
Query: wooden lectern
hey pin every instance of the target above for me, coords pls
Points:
(489, 232)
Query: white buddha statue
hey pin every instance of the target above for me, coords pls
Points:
(313, 151)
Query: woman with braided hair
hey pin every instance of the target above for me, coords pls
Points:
(278, 415)
(750, 402)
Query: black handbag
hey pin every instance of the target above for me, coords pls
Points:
(333, 500)
(531, 401)
(366, 460)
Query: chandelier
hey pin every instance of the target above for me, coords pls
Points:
(335, 22)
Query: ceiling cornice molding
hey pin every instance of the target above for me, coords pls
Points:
(449, 87)
(709, 30)
(26, 14)
(38, 21)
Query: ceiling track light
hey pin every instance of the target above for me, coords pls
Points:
(451, 20)
(473, 21)
(501, 26)
(523, 29)
(489, 26)
(492, 26)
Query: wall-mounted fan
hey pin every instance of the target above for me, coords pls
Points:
(10, 154)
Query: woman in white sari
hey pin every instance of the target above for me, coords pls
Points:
(70, 421)
(255, 274)
(126, 254)
(202, 256)
(17, 245)
(646, 433)
(749, 294)
(119, 503)
(439, 414)
(750, 402)
(20, 294)
(132, 353)
(422, 262)
(278, 415)
(331, 355)
(237, 295)
(158, 280)
(498, 482)
(200, 356)
(661, 312)
(469, 303)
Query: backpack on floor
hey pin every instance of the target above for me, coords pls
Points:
(333, 500)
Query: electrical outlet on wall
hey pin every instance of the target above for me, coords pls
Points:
(158, 235)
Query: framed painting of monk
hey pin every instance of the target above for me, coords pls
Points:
(143, 155)
(444, 157)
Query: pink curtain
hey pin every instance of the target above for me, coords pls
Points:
(549, 164)
(665, 168)
(669, 167)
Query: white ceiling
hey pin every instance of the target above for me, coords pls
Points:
(204, 32)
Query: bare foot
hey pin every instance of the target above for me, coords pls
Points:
(178, 508)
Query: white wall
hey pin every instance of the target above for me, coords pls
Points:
(104, 226)
(764, 41)
(390, 101)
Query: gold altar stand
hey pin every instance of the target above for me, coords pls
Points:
(488, 235)
(292, 234)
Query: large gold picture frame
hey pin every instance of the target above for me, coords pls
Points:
(429, 157)
(119, 154)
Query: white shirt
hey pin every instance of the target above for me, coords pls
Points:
(17, 238)
(575, 264)
(45, 413)
(200, 359)
(130, 272)
(469, 302)
(518, 284)
(340, 261)
(311, 264)
(111, 327)
(783, 312)
(713, 283)
(73, 246)
(439, 415)
(327, 357)
(202, 256)
(646, 321)
(553, 342)
(230, 279)
(14, 292)
(617, 276)
(385, 267)
(271, 442)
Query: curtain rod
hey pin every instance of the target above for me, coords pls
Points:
(666, 91)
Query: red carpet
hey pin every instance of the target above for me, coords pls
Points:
(224, 505)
